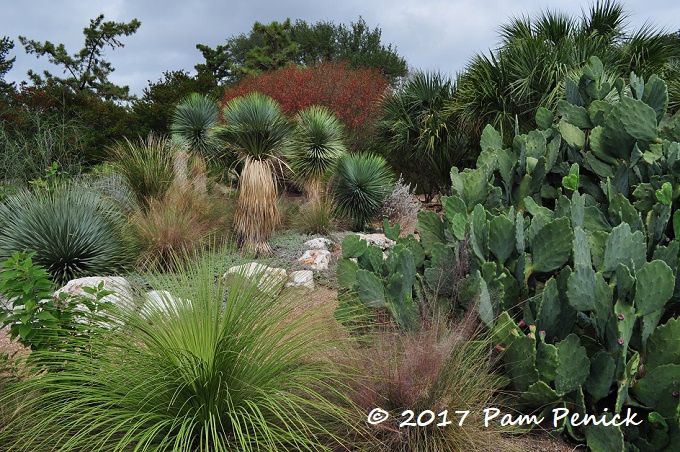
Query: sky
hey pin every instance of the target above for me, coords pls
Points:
(430, 34)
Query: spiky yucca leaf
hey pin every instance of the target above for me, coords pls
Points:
(317, 143)
(361, 183)
(73, 231)
(196, 368)
(194, 122)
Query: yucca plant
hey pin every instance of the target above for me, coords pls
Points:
(194, 121)
(202, 369)
(361, 182)
(74, 231)
(317, 143)
(257, 132)
(146, 165)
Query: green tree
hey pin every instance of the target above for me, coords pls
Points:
(272, 46)
(87, 69)
(6, 45)
(356, 43)
(277, 51)
(153, 110)
(536, 55)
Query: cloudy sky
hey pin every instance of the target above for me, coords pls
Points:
(430, 34)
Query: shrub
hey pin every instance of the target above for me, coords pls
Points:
(401, 206)
(206, 369)
(352, 94)
(194, 121)
(361, 183)
(73, 231)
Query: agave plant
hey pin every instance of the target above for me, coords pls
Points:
(73, 231)
(196, 368)
(257, 132)
(317, 143)
(194, 122)
(360, 184)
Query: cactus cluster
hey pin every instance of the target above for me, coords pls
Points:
(575, 230)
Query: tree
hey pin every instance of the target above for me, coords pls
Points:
(271, 46)
(277, 51)
(357, 44)
(535, 57)
(421, 139)
(257, 132)
(153, 111)
(87, 69)
(6, 45)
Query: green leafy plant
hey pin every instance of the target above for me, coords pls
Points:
(360, 184)
(199, 367)
(571, 229)
(73, 231)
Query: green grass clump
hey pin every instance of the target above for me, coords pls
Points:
(207, 369)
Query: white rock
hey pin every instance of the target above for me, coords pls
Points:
(119, 285)
(320, 243)
(378, 240)
(269, 279)
(301, 278)
(162, 300)
(316, 259)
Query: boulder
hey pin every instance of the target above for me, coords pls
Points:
(316, 259)
(378, 240)
(119, 285)
(301, 278)
(268, 279)
(161, 301)
(320, 243)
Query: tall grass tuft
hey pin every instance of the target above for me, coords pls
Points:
(208, 368)
(434, 369)
(146, 165)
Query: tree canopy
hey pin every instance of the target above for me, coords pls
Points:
(268, 47)
(87, 69)
(6, 45)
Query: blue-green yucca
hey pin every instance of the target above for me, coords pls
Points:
(74, 231)
(361, 183)
(208, 368)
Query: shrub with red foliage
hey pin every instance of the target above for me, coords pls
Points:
(353, 94)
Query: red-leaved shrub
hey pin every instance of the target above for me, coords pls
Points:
(352, 94)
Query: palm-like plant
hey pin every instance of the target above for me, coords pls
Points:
(317, 143)
(73, 231)
(257, 132)
(528, 70)
(194, 122)
(419, 129)
(361, 183)
(202, 369)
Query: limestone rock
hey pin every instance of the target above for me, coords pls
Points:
(316, 259)
(269, 279)
(301, 278)
(320, 243)
(378, 240)
(119, 285)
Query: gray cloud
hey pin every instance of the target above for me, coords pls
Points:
(430, 34)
